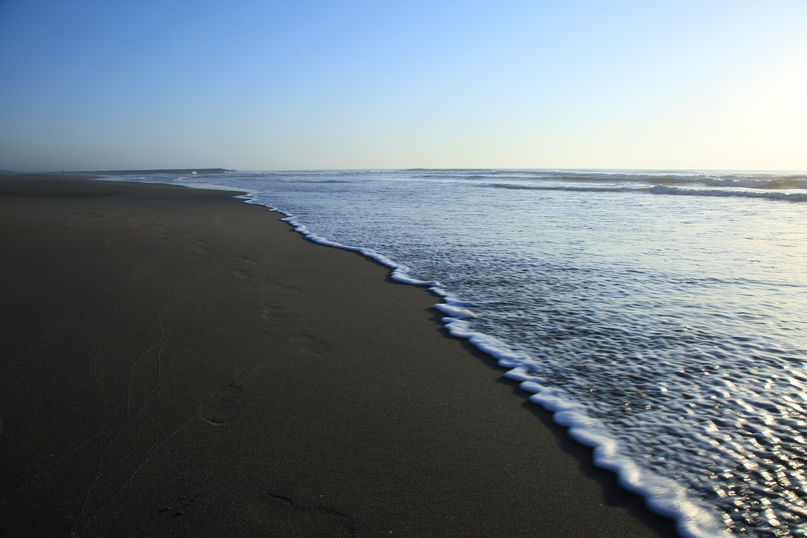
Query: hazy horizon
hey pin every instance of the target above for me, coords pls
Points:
(91, 85)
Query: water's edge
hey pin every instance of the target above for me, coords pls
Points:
(662, 495)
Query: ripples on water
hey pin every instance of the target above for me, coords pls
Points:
(676, 322)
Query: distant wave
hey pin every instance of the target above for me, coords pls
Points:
(755, 180)
(791, 182)
(657, 189)
(640, 178)
(449, 170)
(790, 197)
(621, 177)
(314, 181)
(573, 188)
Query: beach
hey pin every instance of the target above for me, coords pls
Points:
(178, 363)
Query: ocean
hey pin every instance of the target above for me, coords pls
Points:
(661, 315)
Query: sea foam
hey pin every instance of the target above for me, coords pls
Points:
(667, 332)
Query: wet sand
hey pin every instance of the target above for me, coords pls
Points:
(177, 363)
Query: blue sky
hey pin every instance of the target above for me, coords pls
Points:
(97, 84)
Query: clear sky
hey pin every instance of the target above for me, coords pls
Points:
(261, 84)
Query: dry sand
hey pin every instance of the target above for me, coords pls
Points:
(178, 363)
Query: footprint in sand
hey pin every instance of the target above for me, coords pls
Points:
(288, 290)
(273, 313)
(310, 345)
(221, 408)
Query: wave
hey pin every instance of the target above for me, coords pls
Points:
(314, 181)
(665, 189)
(754, 180)
(791, 182)
(450, 170)
(568, 188)
(786, 196)
(611, 177)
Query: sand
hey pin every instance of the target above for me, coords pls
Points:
(178, 363)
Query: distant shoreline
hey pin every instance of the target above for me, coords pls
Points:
(95, 174)
(149, 171)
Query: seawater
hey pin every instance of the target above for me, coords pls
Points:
(661, 315)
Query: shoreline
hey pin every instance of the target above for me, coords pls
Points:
(100, 173)
(176, 361)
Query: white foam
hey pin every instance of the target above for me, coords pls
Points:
(455, 311)
(662, 495)
(399, 272)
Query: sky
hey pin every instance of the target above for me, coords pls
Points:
(307, 84)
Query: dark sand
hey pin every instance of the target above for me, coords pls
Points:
(177, 363)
